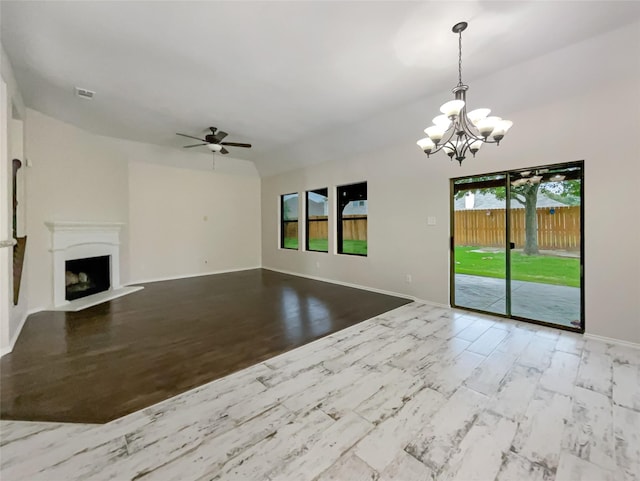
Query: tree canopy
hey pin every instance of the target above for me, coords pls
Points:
(526, 194)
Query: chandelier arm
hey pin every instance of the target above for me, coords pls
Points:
(488, 140)
(451, 146)
(452, 132)
(437, 149)
(463, 152)
(467, 128)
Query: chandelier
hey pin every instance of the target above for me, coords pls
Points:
(457, 131)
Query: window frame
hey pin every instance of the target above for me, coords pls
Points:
(319, 191)
(283, 222)
(339, 220)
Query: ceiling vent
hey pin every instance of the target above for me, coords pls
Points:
(84, 93)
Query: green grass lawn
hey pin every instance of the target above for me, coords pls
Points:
(322, 245)
(561, 271)
(354, 247)
(290, 242)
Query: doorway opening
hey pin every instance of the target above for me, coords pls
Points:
(517, 244)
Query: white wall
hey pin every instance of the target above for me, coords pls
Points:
(188, 222)
(79, 176)
(5, 223)
(594, 121)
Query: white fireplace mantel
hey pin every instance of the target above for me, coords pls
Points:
(66, 235)
(78, 240)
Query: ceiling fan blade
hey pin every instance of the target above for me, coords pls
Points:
(236, 144)
(224, 151)
(194, 145)
(220, 135)
(191, 137)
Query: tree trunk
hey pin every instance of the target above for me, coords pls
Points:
(531, 220)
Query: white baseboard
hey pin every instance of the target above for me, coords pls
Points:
(14, 338)
(356, 286)
(611, 340)
(186, 276)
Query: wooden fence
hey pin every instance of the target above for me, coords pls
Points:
(486, 228)
(354, 227)
(318, 227)
(291, 229)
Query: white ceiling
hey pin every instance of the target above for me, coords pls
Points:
(280, 75)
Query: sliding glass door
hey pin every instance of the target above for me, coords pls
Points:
(479, 261)
(517, 244)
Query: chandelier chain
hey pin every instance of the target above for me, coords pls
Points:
(459, 58)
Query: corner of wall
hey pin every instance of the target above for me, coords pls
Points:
(13, 115)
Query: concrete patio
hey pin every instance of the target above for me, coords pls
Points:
(541, 302)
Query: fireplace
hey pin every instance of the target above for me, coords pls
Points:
(85, 277)
(86, 264)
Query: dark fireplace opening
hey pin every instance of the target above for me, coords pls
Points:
(84, 277)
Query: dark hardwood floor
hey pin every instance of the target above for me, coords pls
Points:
(101, 363)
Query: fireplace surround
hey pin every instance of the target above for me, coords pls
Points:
(82, 240)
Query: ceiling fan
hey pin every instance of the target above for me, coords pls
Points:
(213, 141)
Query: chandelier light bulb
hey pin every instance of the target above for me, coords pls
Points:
(442, 121)
(452, 108)
(458, 132)
(435, 133)
(486, 126)
(475, 146)
(478, 114)
(500, 129)
(426, 145)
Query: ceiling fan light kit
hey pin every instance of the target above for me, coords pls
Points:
(457, 131)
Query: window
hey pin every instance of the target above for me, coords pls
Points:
(352, 219)
(317, 204)
(289, 221)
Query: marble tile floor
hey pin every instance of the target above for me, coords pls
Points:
(418, 393)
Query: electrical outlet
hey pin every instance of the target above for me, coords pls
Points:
(408, 279)
(317, 264)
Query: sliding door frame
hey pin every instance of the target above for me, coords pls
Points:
(507, 184)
